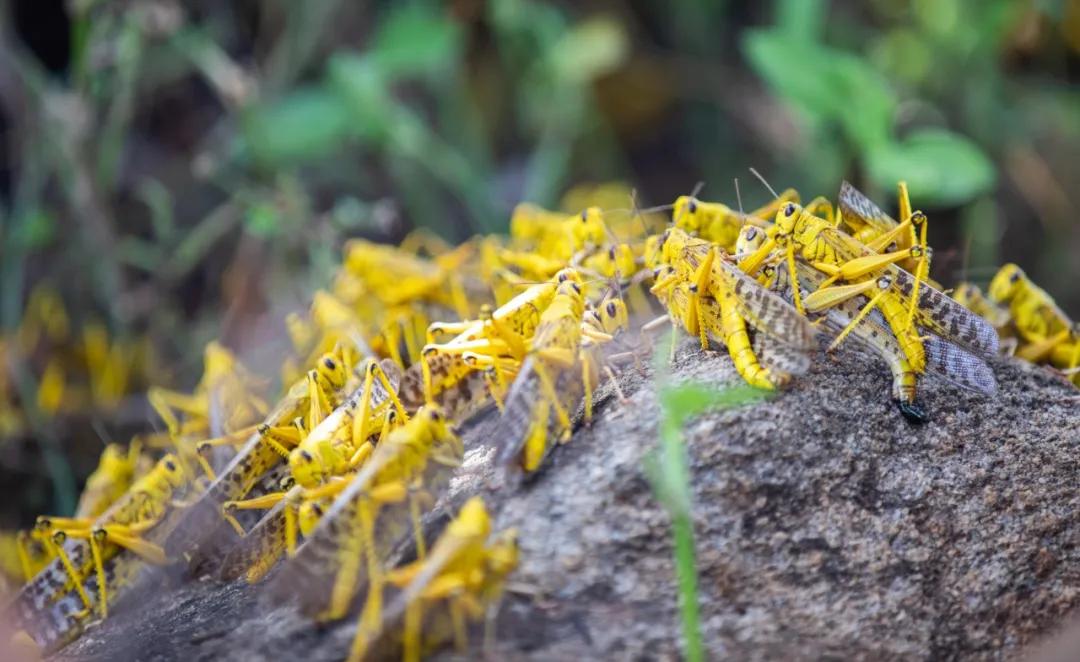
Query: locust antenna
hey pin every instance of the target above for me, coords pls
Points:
(652, 210)
(100, 431)
(738, 197)
(636, 212)
(762, 180)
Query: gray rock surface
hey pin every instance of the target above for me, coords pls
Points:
(827, 526)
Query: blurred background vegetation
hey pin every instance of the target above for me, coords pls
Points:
(173, 172)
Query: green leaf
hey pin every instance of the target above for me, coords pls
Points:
(802, 19)
(416, 40)
(590, 49)
(307, 124)
(33, 230)
(824, 84)
(940, 167)
(262, 220)
(684, 401)
(361, 83)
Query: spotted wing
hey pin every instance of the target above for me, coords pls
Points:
(859, 210)
(764, 310)
(935, 311)
(778, 357)
(958, 366)
(874, 338)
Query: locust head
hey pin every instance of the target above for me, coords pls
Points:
(614, 316)
(172, 471)
(1006, 283)
(750, 239)
(589, 229)
(787, 217)
(685, 214)
(654, 249)
(331, 371)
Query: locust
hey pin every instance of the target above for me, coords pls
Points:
(709, 296)
(840, 256)
(880, 232)
(306, 404)
(370, 513)
(873, 338)
(83, 548)
(338, 445)
(720, 224)
(1046, 332)
(116, 471)
(460, 580)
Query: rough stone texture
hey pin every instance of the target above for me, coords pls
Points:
(827, 526)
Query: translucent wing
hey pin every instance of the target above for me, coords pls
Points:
(958, 366)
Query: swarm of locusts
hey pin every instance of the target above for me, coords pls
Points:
(315, 490)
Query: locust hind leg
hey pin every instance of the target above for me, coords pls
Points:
(547, 384)
(56, 542)
(535, 446)
(371, 615)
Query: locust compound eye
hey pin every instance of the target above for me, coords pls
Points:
(585, 216)
(577, 288)
(789, 209)
(751, 234)
(329, 363)
(317, 509)
(692, 206)
(306, 456)
(563, 276)
(611, 309)
(611, 253)
(436, 416)
(1014, 276)
(170, 466)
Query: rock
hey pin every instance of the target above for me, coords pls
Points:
(826, 525)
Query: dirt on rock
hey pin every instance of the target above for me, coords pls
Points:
(826, 526)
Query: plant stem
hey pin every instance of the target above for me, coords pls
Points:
(685, 564)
